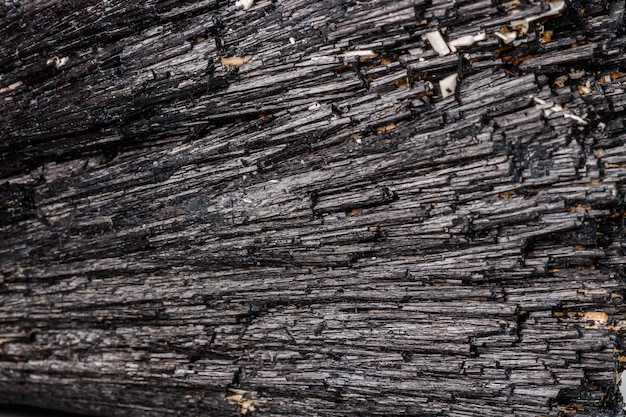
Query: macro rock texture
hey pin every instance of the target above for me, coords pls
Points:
(313, 208)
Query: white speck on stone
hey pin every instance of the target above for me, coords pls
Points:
(416, 51)
(58, 62)
(555, 108)
(11, 87)
(244, 4)
(572, 116)
(448, 85)
(362, 53)
(587, 88)
(467, 40)
(436, 41)
(292, 40)
(325, 59)
(577, 75)
(315, 106)
(507, 37)
(560, 81)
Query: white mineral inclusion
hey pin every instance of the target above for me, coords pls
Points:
(361, 53)
(448, 85)
(244, 4)
(547, 111)
(442, 48)
(436, 41)
(507, 37)
(467, 40)
(58, 62)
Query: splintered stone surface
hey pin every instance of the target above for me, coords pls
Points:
(313, 208)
